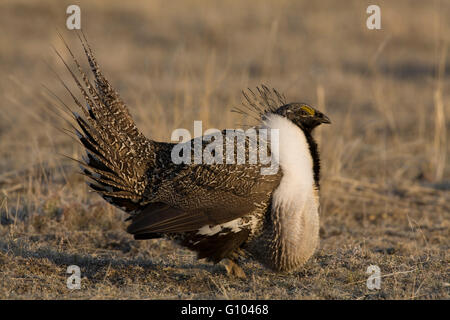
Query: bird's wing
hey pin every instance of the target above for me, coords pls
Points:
(194, 196)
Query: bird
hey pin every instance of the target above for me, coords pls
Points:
(222, 211)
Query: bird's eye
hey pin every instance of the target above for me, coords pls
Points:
(308, 110)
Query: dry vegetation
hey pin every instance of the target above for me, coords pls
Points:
(386, 174)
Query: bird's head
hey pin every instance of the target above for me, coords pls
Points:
(303, 115)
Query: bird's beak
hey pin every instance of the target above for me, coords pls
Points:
(325, 119)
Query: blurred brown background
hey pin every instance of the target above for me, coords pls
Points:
(386, 167)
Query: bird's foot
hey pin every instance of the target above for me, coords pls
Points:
(233, 269)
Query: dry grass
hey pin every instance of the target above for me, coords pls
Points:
(386, 177)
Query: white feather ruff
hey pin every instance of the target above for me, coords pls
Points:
(295, 160)
(294, 202)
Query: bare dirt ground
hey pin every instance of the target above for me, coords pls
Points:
(385, 196)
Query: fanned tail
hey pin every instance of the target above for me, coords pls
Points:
(118, 156)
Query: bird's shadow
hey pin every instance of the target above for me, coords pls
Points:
(90, 264)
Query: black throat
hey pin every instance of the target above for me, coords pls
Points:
(314, 154)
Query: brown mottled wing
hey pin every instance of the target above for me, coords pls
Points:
(199, 195)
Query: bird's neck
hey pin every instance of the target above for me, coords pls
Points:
(293, 231)
(313, 148)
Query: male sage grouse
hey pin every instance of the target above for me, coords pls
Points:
(219, 210)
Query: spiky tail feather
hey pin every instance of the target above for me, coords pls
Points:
(118, 156)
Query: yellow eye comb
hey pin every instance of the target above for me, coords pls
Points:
(308, 109)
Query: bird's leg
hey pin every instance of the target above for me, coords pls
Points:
(233, 269)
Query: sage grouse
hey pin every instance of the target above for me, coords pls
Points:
(221, 211)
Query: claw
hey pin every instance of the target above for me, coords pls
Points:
(233, 269)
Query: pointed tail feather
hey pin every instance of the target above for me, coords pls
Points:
(118, 156)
